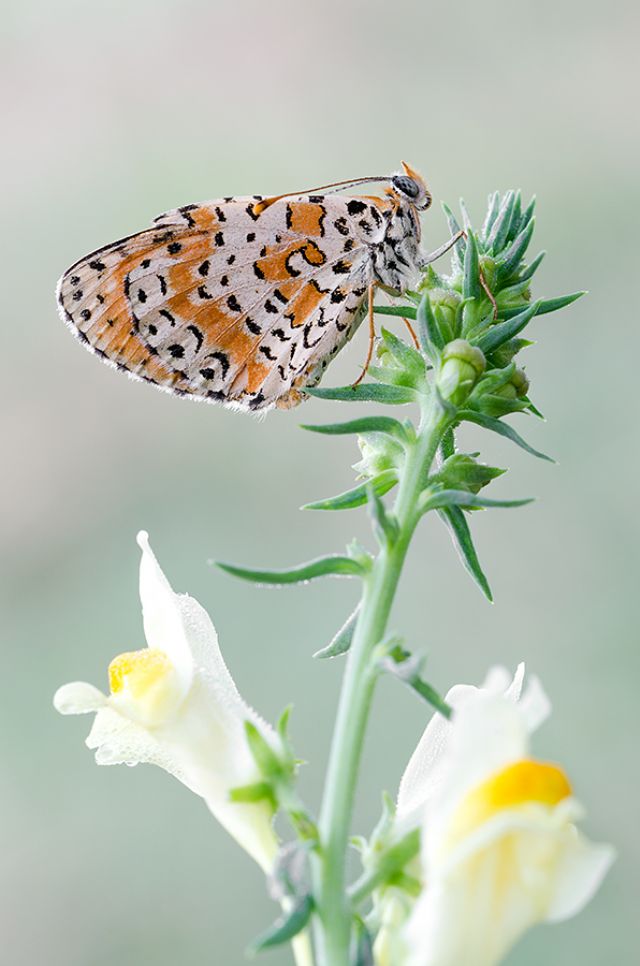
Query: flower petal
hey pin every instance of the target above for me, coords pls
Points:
(161, 613)
(78, 697)
(582, 869)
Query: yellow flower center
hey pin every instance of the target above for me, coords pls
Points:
(145, 683)
(525, 782)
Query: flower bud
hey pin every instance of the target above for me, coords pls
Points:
(462, 365)
(379, 453)
(444, 305)
(516, 388)
(462, 472)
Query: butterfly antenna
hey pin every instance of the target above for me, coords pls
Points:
(261, 206)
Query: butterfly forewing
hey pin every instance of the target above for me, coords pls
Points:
(227, 302)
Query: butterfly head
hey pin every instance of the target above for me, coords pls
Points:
(410, 186)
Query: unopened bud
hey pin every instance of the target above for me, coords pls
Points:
(461, 367)
(379, 453)
(444, 305)
(516, 388)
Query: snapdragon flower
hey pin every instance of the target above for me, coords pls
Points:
(174, 704)
(500, 850)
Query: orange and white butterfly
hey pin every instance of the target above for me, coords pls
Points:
(245, 301)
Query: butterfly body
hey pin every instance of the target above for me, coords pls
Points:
(245, 300)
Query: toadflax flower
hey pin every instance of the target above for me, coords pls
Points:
(500, 850)
(174, 704)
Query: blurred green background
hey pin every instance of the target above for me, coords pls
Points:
(115, 111)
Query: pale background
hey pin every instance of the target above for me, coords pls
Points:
(116, 111)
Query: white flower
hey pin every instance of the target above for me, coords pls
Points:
(174, 704)
(500, 850)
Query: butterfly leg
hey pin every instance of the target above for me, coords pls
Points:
(372, 337)
(432, 256)
(412, 332)
(439, 252)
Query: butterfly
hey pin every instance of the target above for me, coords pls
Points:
(245, 300)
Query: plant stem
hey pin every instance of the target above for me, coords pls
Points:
(333, 922)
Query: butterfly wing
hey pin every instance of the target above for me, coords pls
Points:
(227, 302)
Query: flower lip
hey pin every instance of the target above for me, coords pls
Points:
(520, 784)
(145, 685)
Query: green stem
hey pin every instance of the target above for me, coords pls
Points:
(333, 922)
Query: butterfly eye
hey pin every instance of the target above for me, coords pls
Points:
(406, 186)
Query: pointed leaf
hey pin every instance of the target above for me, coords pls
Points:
(456, 521)
(500, 229)
(493, 206)
(401, 311)
(516, 215)
(366, 424)
(471, 288)
(503, 331)
(546, 305)
(466, 220)
(448, 444)
(530, 271)
(288, 925)
(502, 429)
(515, 253)
(384, 524)
(469, 501)
(429, 336)
(265, 757)
(357, 496)
(367, 392)
(341, 643)
(458, 250)
(527, 215)
(333, 566)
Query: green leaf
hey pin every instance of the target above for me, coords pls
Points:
(367, 392)
(265, 757)
(429, 335)
(448, 444)
(502, 429)
(405, 355)
(456, 521)
(527, 215)
(546, 305)
(286, 926)
(469, 501)
(500, 230)
(403, 311)
(458, 250)
(256, 792)
(362, 946)
(431, 696)
(471, 287)
(466, 220)
(357, 496)
(530, 271)
(515, 253)
(385, 525)
(503, 331)
(493, 206)
(333, 565)
(516, 215)
(341, 643)
(367, 424)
